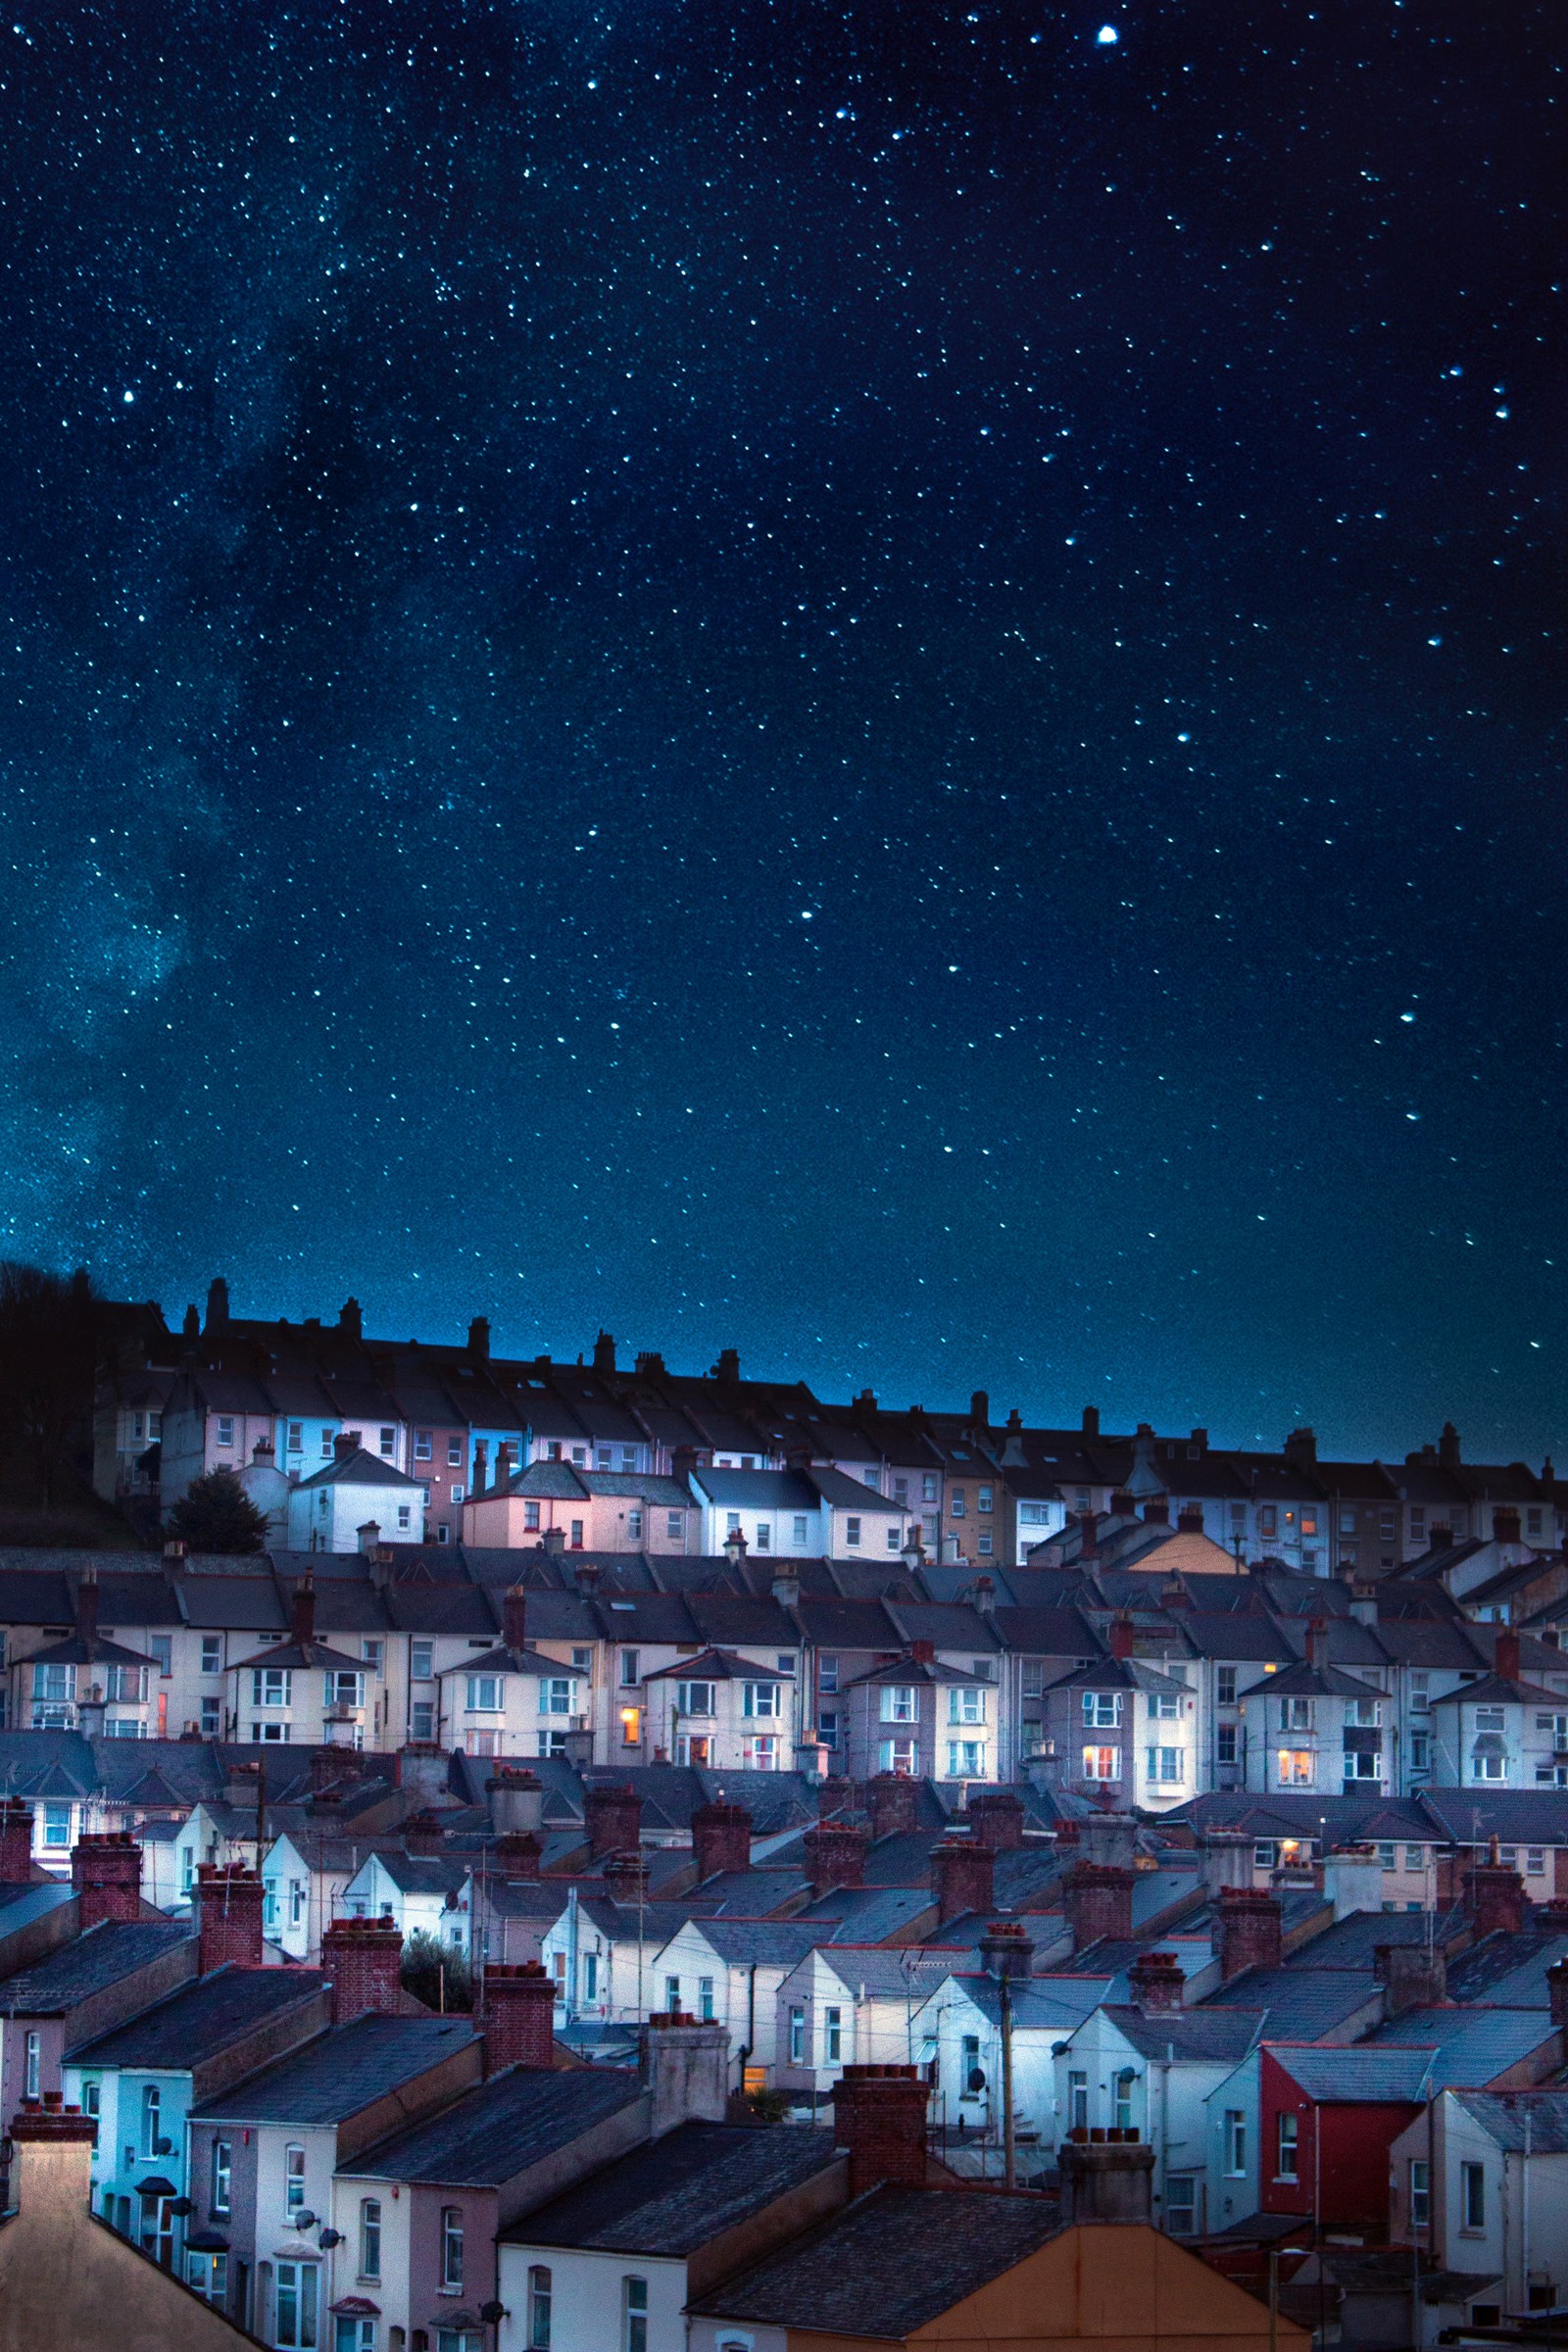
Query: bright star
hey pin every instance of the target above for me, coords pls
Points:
(1108, 36)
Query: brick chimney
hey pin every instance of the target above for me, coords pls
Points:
(106, 1874)
(1156, 1982)
(1100, 1903)
(302, 1615)
(625, 1878)
(1494, 1897)
(1088, 1536)
(363, 1958)
(228, 1902)
(721, 1839)
(519, 2009)
(515, 1618)
(964, 1877)
(1156, 1511)
(924, 1654)
(996, 1818)
(1250, 1930)
(518, 1855)
(421, 1834)
(893, 1800)
(1506, 1655)
(1007, 1951)
(1190, 1519)
(1557, 1993)
(1504, 1524)
(835, 1854)
(1105, 2177)
(1120, 1636)
(1411, 1977)
(15, 1841)
(615, 1819)
(879, 2117)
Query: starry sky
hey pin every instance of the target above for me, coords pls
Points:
(873, 682)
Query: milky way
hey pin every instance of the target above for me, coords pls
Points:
(869, 683)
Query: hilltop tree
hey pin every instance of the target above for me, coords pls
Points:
(215, 1514)
(49, 1329)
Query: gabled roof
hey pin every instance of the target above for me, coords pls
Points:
(341, 2071)
(1314, 1682)
(716, 1665)
(357, 1469)
(679, 2193)
(499, 2130)
(98, 1957)
(1368, 2075)
(203, 2019)
(1198, 2036)
(1520, 2120)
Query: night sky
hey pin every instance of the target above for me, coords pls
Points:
(874, 683)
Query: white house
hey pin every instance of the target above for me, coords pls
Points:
(421, 1894)
(855, 2004)
(797, 1514)
(1155, 2070)
(1316, 1728)
(732, 1969)
(1494, 2200)
(961, 2040)
(356, 1492)
(1231, 2183)
(1500, 1732)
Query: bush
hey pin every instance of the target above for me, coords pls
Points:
(217, 1515)
(435, 1974)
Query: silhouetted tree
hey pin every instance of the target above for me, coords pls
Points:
(435, 1974)
(49, 1329)
(215, 1514)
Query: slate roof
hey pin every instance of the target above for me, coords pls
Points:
(1299, 2004)
(1471, 2046)
(357, 1469)
(892, 2262)
(716, 1665)
(1506, 1972)
(1315, 1682)
(1515, 2120)
(340, 2070)
(1212, 2036)
(498, 2129)
(1352, 1943)
(203, 2019)
(101, 1956)
(1369, 2074)
(680, 2193)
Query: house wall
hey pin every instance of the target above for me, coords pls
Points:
(1342, 2153)
(590, 2298)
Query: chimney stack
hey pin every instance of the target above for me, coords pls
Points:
(835, 1854)
(1557, 1993)
(479, 1339)
(1506, 1655)
(1225, 1859)
(685, 2064)
(615, 1817)
(1494, 1897)
(1105, 2178)
(625, 1878)
(879, 2116)
(893, 1800)
(363, 1958)
(964, 1877)
(303, 1612)
(996, 1818)
(1190, 1519)
(1157, 1984)
(1088, 1536)
(514, 1619)
(1156, 1511)
(1007, 1951)
(106, 1874)
(1504, 1524)
(1121, 1635)
(1100, 1903)
(1250, 1930)
(422, 1768)
(421, 1834)
(520, 2013)
(1411, 1977)
(228, 1902)
(721, 1839)
(516, 1798)
(15, 1842)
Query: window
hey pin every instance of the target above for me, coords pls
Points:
(966, 1759)
(634, 2323)
(207, 2275)
(370, 2237)
(220, 2179)
(294, 2295)
(1489, 1768)
(705, 2001)
(760, 1699)
(1181, 2204)
(531, 1518)
(125, 1683)
(422, 1719)
(576, 1535)
(1288, 2148)
(296, 1437)
(226, 1429)
(328, 1436)
(152, 2120)
(672, 1995)
(1235, 2141)
(631, 1726)
(1295, 1714)
(452, 2245)
(1165, 1765)
(422, 1660)
(1535, 1861)
(674, 1527)
(764, 1535)
(895, 1755)
(484, 1693)
(272, 1686)
(628, 1669)
(54, 1682)
(1102, 1709)
(956, 1504)
(1388, 1857)
(56, 1828)
(32, 2064)
(759, 1752)
(1269, 1519)
(928, 1487)
(1165, 1706)
(293, 2181)
(1420, 1752)
(345, 1687)
(697, 1698)
(211, 1653)
(966, 1704)
(851, 1533)
(1473, 2196)
(1295, 1767)
(828, 1674)
(796, 2037)
(1124, 2099)
(833, 2036)
(1420, 2193)
(900, 1703)
(1101, 1763)
(1364, 1711)
(983, 1500)
(1078, 2100)
(541, 2293)
(272, 1733)
(406, 1509)
(634, 1524)
(1225, 1744)
(784, 1660)
(590, 1975)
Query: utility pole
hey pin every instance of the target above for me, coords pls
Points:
(1008, 2141)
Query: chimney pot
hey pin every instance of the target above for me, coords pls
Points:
(1157, 1984)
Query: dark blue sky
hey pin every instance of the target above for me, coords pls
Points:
(874, 683)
